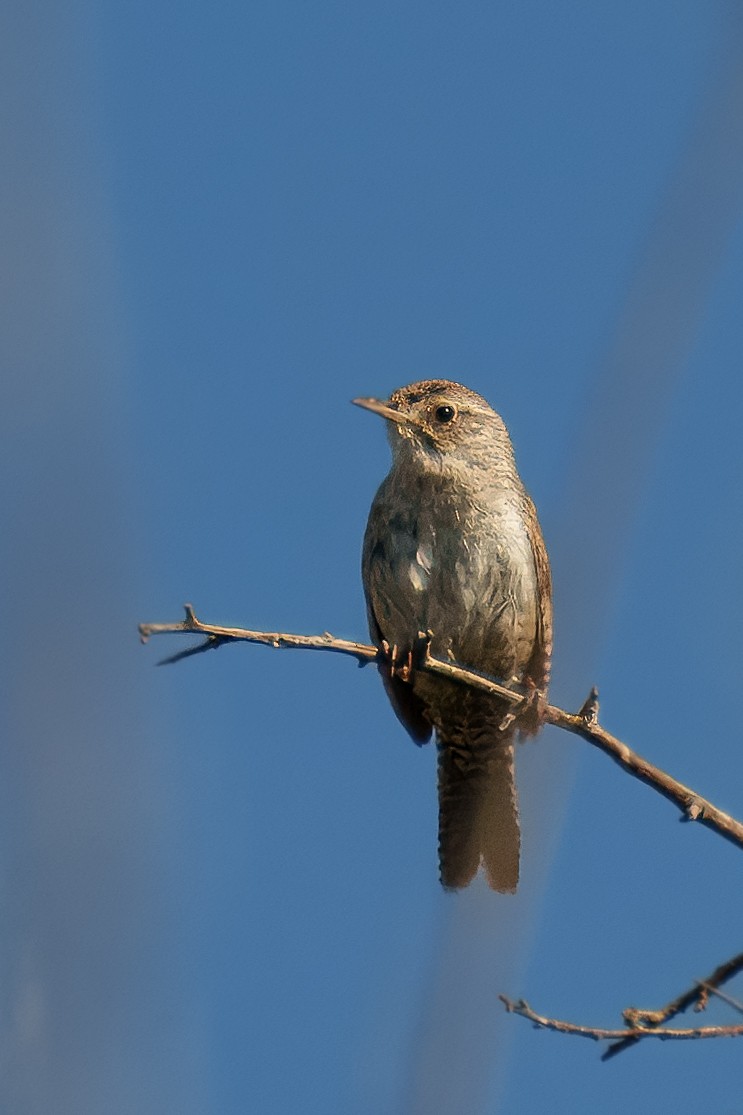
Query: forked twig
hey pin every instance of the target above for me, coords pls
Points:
(641, 1024)
(696, 996)
(622, 1037)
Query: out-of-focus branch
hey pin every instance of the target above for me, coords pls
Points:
(583, 723)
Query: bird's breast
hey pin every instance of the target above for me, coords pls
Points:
(462, 568)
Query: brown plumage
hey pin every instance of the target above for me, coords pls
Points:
(453, 546)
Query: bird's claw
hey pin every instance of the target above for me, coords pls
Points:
(530, 714)
(400, 662)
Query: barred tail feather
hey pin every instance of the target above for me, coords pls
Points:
(478, 814)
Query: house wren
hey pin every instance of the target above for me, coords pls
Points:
(453, 546)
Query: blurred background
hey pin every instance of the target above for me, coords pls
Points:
(219, 224)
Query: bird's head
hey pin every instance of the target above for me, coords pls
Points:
(439, 420)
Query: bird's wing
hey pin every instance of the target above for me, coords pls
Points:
(538, 669)
(382, 599)
(408, 708)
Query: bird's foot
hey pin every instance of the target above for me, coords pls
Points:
(403, 665)
(399, 661)
(531, 713)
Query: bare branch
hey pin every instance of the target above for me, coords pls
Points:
(631, 1035)
(584, 723)
(640, 1024)
(693, 806)
(696, 996)
(217, 636)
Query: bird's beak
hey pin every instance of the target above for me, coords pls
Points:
(386, 411)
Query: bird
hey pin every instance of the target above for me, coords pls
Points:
(453, 548)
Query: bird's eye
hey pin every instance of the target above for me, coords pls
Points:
(445, 413)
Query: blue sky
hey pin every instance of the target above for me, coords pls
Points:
(222, 223)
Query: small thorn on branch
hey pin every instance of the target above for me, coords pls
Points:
(694, 810)
(589, 710)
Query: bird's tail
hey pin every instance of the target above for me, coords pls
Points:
(478, 812)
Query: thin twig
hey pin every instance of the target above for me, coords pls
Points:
(217, 636)
(736, 1004)
(595, 1033)
(641, 1024)
(584, 723)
